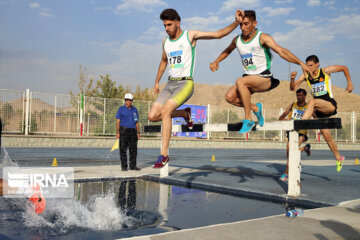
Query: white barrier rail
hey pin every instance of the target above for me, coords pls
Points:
(292, 126)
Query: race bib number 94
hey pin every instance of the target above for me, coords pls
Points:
(319, 89)
(247, 60)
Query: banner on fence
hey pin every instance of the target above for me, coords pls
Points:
(198, 115)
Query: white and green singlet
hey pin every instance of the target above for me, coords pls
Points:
(181, 56)
(255, 57)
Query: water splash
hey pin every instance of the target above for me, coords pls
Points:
(61, 216)
(6, 161)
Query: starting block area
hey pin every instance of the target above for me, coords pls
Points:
(292, 126)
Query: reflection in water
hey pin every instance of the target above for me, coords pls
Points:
(127, 199)
(128, 208)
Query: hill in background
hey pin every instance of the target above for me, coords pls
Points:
(277, 98)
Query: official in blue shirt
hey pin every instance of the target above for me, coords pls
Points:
(127, 130)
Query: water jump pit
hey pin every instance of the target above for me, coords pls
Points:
(115, 209)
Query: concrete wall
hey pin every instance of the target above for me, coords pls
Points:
(107, 142)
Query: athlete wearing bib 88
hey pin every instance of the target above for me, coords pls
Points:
(323, 103)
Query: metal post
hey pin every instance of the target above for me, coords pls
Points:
(353, 125)
(78, 115)
(55, 116)
(294, 165)
(148, 112)
(228, 120)
(281, 132)
(104, 115)
(81, 113)
(23, 114)
(208, 120)
(88, 125)
(30, 111)
(27, 111)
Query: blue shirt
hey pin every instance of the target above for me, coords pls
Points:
(128, 116)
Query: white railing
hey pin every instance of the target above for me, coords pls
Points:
(48, 113)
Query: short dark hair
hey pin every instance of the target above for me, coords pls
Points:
(170, 14)
(250, 14)
(301, 90)
(313, 58)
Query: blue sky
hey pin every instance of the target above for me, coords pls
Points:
(42, 43)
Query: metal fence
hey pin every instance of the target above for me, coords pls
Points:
(48, 113)
(12, 109)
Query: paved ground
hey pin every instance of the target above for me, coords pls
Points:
(252, 173)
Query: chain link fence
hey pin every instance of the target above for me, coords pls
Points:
(12, 110)
(60, 114)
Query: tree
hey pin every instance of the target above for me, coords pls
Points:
(106, 88)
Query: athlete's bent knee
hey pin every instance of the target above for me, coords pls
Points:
(152, 117)
(229, 98)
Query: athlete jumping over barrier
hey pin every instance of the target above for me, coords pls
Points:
(323, 104)
(254, 49)
(179, 54)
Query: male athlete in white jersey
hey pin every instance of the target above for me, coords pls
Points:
(323, 104)
(254, 48)
(179, 55)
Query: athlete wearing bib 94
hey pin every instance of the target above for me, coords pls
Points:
(179, 55)
(254, 49)
(323, 103)
(255, 57)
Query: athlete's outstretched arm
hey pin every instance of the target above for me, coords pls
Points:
(295, 84)
(215, 65)
(287, 111)
(160, 72)
(284, 53)
(340, 68)
(196, 35)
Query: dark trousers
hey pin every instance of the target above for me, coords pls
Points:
(129, 202)
(128, 140)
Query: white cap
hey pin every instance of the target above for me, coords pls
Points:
(129, 96)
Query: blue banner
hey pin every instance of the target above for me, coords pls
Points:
(198, 116)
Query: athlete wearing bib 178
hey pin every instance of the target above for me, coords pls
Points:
(254, 49)
(179, 55)
(323, 103)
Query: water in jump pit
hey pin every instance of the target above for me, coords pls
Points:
(118, 209)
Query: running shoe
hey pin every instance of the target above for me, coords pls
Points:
(259, 114)
(161, 162)
(284, 177)
(339, 163)
(246, 126)
(307, 149)
(188, 118)
(38, 200)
